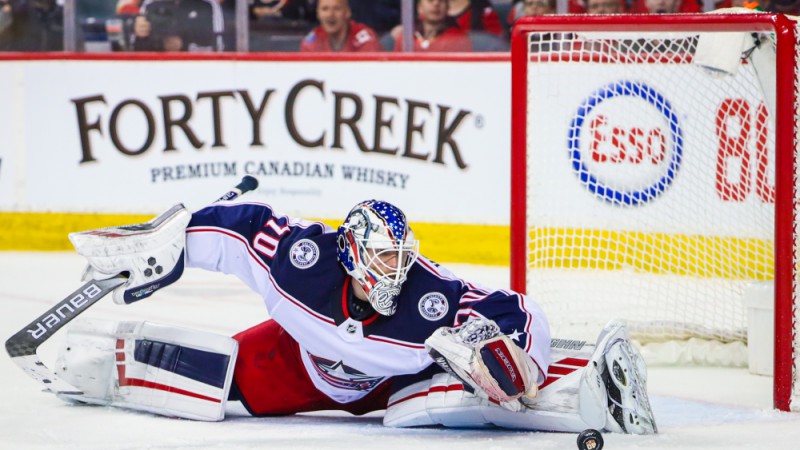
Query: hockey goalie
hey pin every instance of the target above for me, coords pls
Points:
(359, 321)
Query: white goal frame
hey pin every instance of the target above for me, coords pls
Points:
(785, 133)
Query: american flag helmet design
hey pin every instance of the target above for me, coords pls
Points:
(377, 248)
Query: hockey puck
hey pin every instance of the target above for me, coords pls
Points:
(590, 439)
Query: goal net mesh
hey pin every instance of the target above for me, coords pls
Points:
(650, 182)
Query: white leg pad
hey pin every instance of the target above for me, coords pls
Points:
(443, 401)
(451, 406)
(438, 401)
(144, 366)
(408, 407)
(575, 396)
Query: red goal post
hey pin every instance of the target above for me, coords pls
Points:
(653, 178)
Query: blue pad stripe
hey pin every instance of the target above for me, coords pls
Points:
(206, 367)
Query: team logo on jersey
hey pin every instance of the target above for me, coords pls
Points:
(304, 254)
(433, 306)
(338, 375)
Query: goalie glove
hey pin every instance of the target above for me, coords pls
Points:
(486, 361)
(150, 253)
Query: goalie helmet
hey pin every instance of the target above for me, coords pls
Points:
(377, 248)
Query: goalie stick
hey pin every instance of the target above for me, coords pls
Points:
(22, 346)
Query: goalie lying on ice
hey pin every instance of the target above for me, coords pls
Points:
(360, 322)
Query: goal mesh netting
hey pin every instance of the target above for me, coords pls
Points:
(644, 172)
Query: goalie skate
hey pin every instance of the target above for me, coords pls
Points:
(624, 374)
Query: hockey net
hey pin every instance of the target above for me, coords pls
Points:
(650, 156)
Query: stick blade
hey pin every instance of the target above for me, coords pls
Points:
(22, 346)
(35, 368)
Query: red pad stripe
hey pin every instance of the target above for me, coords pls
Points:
(407, 398)
(578, 362)
(120, 354)
(104, 233)
(452, 387)
(555, 370)
(163, 387)
(549, 381)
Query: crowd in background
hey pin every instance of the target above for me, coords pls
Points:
(305, 25)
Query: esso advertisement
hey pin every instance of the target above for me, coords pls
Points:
(625, 143)
(649, 141)
(745, 160)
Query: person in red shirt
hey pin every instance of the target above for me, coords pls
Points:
(605, 6)
(436, 31)
(129, 7)
(665, 6)
(476, 15)
(337, 31)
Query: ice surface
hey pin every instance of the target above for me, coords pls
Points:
(696, 408)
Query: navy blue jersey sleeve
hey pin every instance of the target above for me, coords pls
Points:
(518, 316)
(243, 239)
(504, 308)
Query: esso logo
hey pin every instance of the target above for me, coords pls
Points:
(626, 143)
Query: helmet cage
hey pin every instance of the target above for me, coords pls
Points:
(377, 248)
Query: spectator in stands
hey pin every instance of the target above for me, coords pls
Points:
(5, 15)
(604, 7)
(142, 39)
(475, 15)
(531, 8)
(129, 7)
(380, 15)
(665, 6)
(261, 10)
(435, 31)
(337, 31)
(538, 7)
(198, 23)
(32, 25)
(661, 6)
(791, 7)
(228, 10)
(172, 42)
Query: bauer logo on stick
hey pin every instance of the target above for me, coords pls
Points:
(626, 143)
(65, 309)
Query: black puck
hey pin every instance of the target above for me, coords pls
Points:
(590, 439)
